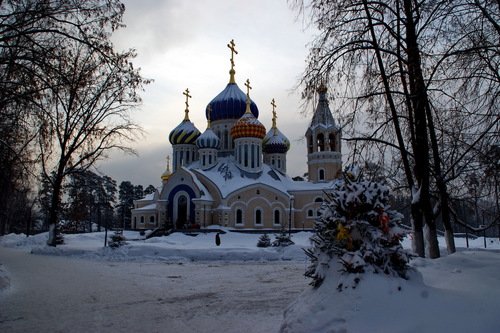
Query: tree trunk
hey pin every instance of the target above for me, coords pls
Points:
(441, 184)
(55, 207)
(421, 147)
(416, 217)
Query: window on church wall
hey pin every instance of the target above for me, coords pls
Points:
(310, 144)
(203, 160)
(332, 141)
(240, 154)
(310, 213)
(239, 216)
(252, 158)
(279, 163)
(181, 155)
(210, 159)
(258, 217)
(318, 200)
(226, 139)
(321, 173)
(321, 142)
(142, 219)
(135, 221)
(246, 155)
(151, 219)
(277, 217)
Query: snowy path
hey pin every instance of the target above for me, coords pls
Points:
(60, 294)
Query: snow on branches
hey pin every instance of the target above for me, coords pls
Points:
(357, 230)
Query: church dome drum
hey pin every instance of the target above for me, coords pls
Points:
(230, 104)
(184, 133)
(208, 140)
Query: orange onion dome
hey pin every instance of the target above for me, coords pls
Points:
(248, 127)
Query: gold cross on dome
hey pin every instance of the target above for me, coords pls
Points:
(273, 103)
(247, 84)
(186, 93)
(232, 46)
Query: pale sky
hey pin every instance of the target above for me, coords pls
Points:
(183, 44)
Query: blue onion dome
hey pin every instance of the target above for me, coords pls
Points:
(184, 133)
(230, 104)
(208, 140)
(275, 142)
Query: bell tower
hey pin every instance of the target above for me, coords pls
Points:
(324, 158)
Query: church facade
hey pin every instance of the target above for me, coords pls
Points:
(234, 173)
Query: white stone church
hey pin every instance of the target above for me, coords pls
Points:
(234, 173)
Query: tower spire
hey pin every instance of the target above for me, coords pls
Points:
(232, 46)
(247, 84)
(186, 93)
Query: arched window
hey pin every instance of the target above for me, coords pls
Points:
(142, 219)
(318, 199)
(321, 142)
(331, 142)
(252, 158)
(321, 174)
(210, 159)
(277, 217)
(239, 216)
(310, 213)
(246, 156)
(310, 144)
(258, 217)
(151, 219)
(203, 160)
(226, 139)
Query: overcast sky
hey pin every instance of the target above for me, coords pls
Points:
(183, 44)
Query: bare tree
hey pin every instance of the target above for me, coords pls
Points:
(84, 112)
(404, 69)
(30, 31)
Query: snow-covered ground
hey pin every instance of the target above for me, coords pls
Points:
(183, 283)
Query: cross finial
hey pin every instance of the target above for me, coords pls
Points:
(186, 93)
(209, 115)
(273, 103)
(232, 46)
(247, 84)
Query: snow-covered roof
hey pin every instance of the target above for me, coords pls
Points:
(228, 178)
(147, 207)
(147, 197)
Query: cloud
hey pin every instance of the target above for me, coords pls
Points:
(182, 44)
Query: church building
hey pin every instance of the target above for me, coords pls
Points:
(234, 173)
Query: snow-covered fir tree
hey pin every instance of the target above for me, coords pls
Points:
(357, 231)
(264, 241)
